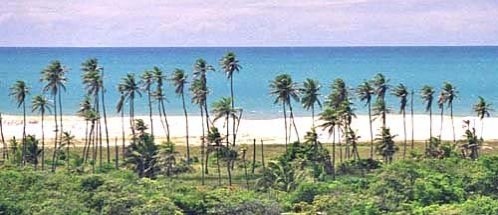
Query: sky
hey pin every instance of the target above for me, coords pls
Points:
(152, 23)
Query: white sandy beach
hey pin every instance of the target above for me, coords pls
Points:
(270, 130)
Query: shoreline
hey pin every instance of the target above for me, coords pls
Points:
(269, 130)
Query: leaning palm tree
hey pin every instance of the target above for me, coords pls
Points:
(54, 76)
(483, 109)
(365, 91)
(85, 107)
(179, 79)
(311, 97)
(129, 88)
(427, 94)
(42, 105)
(120, 110)
(160, 97)
(283, 88)
(201, 68)
(401, 91)
(230, 64)
(19, 91)
(222, 109)
(147, 82)
(199, 98)
(380, 84)
(450, 93)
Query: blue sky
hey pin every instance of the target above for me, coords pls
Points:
(248, 22)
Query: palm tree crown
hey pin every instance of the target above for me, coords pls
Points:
(365, 92)
(401, 91)
(41, 104)
(223, 108)
(283, 88)
(129, 87)
(230, 64)
(482, 108)
(179, 79)
(54, 76)
(427, 94)
(310, 94)
(450, 93)
(19, 91)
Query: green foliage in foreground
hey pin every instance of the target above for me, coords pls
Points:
(431, 186)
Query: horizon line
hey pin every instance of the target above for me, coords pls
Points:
(263, 46)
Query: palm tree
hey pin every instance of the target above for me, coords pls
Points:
(223, 108)
(41, 105)
(401, 92)
(412, 119)
(311, 96)
(201, 68)
(380, 84)
(386, 146)
(19, 91)
(330, 120)
(365, 91)
(451, 93)
(129, 89)
(67, 140)
(284, 89)
(120, 109)
(5, 151)
(160, 98)
(179, 79)
(427, 94)
(199, 98)
(440, 103)
(85, 107)
(483, 109)
(338, 100)
(54, 76)
(230, 64)
(146, 82)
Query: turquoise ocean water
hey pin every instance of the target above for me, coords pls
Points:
(474, 70)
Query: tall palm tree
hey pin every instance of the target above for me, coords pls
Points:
(338, 99)
(201, 68)
(427, 94)
(120, 109)
(147, 82)
(179, 79)
(283, 89)
(19, 91)
(54, 76)
(330, 121)
(483, 109)
(41, 105)
(223, 109)
(401, 91)
(230, 64)
(311, 96)
(129, 88)
(451, 93)
(441, 101)
(365, 91)
(161, 98)
(199, 98)
(85, 107)
(380, 84)
(412, 119)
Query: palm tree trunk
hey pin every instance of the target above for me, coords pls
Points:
(430, 123)
(452, 124)
(98, 132)
(24, 134)
(313, 116)
(293, 121)
(233, 108)
(123, 135)
(404, 130)
(339, 143)
(5, 151)
(94, 145)
(150, 113)
(371, 130)
(43, 141)
(60, 115)
(413, 122)
(228, 134)
(285, 122)
(441, 128)
(202, 145)
(333, 153)
(253, 156)
(218, 164)
(186, 127)
(85, 147)
(105, 124)
(56, 132)
(132, 118)
(168, 135)
(116, 154)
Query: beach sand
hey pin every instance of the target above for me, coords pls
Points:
(269, 130)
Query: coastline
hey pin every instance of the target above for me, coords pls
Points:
(271, 131)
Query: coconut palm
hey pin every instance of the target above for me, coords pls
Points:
(147, 80)
(85, 106)
(483, 109)
(223, 109)
(199, 98)
(380, 84)
(19, 91)
(330, 121)
(441, 101)
(401, 91)
(451, 93)
(201, 68)
(129, 88)
(230, 64)
(179, 79)
(41, 105)
(283, 89)
(120, 110)
(54, 76)
(427, 94)
(311, 97)
(67, 141)
(412, 118)
(160, 97)
(365, 91)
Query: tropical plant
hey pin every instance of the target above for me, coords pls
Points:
(160, 97)
(311, 97)
(330, 120)
(386, 146)
(401, 91)
(223, 109)
(142, 153)
(54, 76)
(284, 89)
(41, 105)
(381, 86)
(32, 151)
(450, 93)
(201, 68)
(483, 109)
(199, 98)
(230, 64)
(179, 79)
(167, 158)
(427, 94)
(365, 91)
(441, 101)
(19, 91)
(129, 89)
(147, 80)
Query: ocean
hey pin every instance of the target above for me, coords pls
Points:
(474, 71)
